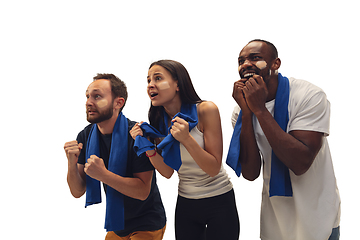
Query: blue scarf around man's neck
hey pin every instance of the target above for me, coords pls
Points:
(280, 183)
(114, 219)
(169, 145)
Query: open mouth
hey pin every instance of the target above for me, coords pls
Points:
(248, 75)
(90, 112)
(153, 94)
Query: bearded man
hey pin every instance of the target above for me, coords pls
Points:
(103, 152)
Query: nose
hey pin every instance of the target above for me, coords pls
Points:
(246, 64)
(151, 84)
(88, 102)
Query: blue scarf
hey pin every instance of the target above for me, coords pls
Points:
(169, 145)
(280, 183)
(114, 219)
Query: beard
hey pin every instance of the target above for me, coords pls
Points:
(103, 115)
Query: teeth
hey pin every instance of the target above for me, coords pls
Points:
(249, 75)
(153, 94)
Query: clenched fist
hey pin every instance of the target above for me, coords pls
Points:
(72, 150)
(95, 167)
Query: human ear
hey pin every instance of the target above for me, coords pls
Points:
(119, 102)
(177, 86)
(276, 64)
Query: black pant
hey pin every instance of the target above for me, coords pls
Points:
(208, 218)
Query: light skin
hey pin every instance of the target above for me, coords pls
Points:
(209, 158)
(138, 186)
(296, 149)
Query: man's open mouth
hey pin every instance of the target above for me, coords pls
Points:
(248, 75)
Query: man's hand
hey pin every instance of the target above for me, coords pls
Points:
(72, 150)
(255, 92)
(239, 97)
(95, 167)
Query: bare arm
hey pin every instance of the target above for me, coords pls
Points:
(250, 158)
(137, 187)
(76, 176)
(297, 149)
(156, 159)
(209, 158)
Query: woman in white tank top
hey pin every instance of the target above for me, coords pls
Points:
(206, 207)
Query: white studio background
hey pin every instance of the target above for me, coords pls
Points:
(50, 50)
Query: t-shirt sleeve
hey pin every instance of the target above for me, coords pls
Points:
(311, 113)
(235, 115)
(140, 163)
(81, 138)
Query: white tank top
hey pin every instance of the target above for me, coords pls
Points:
(194, 183)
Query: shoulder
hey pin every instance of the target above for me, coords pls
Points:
(303, 92)
(83, 134)
(304, 88)
(209, 116)
(130, 124)
(207, 107)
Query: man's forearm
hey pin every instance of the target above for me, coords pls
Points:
(293, 152)
(137, 187)
(76, 181)
(249, 152)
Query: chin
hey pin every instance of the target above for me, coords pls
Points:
(155, 104)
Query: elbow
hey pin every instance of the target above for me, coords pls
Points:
(301, 171)
(77, 194)
(167, 176)
(215, 171)
(251, 176)
(144, 196)
(303, 168)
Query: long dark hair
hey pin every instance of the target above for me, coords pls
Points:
(186, 89)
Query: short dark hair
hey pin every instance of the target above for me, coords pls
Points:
(272, 47)
(118, 87)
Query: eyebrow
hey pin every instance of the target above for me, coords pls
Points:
(250, 55)
(155, 74)
(94, 90)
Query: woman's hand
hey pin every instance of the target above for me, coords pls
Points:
(136, 130)
(180, 129)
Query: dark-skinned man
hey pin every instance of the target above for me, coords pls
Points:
(282, 125)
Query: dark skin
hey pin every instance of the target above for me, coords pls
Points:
(296, 149)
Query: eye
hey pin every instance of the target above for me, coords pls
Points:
(257, 58)
(157, 78)
(241, 61)
(97, 96)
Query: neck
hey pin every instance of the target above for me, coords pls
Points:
(107, 126)
(173, 107)
(272, 85)
(172, 110)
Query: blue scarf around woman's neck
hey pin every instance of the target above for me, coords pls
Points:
(169, 145)
(280, 183)
(114, 219)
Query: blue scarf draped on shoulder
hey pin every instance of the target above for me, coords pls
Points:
(280, 183)
(114, 219)
(169, 145)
